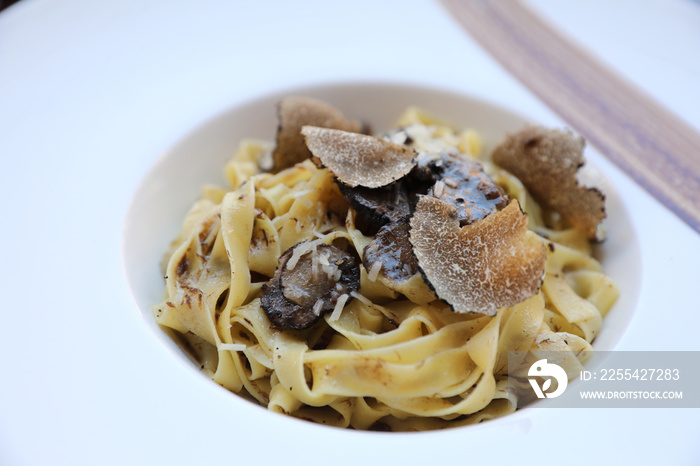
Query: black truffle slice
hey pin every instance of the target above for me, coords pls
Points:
(481, 267)
(547, 162)
(390, 253)
(357, 159)
(379, 205)
(393, 202)
(463, 184)
(312, 278)
(293, 113)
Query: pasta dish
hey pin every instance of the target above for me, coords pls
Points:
(380, 282)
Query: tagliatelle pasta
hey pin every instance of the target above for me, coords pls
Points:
(389, 355)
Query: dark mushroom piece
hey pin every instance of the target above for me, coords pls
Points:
(391, 253)
(463, 184)
(393, 202)
(379, 205)
(312, 278)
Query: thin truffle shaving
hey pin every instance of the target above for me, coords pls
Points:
(547, 161)
(359, 160)
(293, 113)
(481, 267)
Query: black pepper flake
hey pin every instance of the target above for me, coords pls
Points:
(182, 266)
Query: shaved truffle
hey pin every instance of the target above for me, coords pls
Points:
(481, 267)
(547, 161)
(464, 184)
(357, 159)
(379, 205)
(293, 113)
(390, 252)
(311, 279)
(393, 202)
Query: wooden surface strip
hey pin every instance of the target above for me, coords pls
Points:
(655, 147)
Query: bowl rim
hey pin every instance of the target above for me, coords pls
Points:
(320, 89)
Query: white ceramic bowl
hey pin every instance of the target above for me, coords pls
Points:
(174, 182)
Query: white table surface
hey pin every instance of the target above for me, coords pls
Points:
(92, 92)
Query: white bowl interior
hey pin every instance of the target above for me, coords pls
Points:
(174, 182)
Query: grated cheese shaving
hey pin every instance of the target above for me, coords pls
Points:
(339, 305)
(317, 307)
(299, 251)
(302, 196)
(374, 271)
(439, 189)
(302, 193)
(451, 183)
(308, 203)
(361, 298)
(314, 262)
(323, 259)
(332, 272)
(232, 346)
